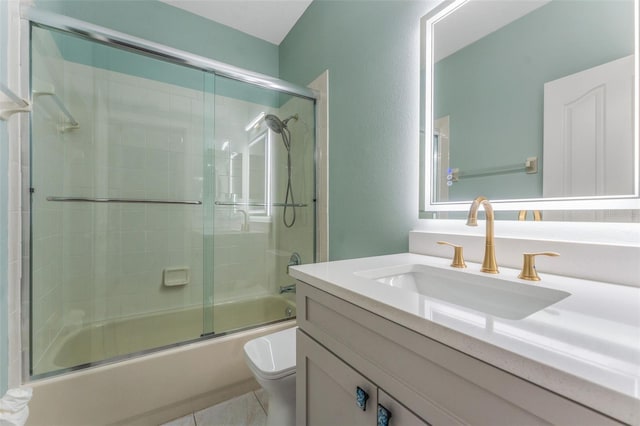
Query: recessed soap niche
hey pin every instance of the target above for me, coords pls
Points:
(175, 277)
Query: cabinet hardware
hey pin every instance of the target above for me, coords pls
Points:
(384, 416)
(361, 398)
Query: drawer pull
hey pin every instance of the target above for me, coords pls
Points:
(361, 398)
(384, 416)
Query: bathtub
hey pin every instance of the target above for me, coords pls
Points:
(160, 386)
(135, 334)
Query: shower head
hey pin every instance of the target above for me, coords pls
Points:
(274, 123)
(280, 127)
(277, 125)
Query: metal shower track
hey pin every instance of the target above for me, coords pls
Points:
(156, 50)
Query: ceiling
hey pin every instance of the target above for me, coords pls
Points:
(270, 20)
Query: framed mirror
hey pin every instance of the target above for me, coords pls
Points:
(533, 104)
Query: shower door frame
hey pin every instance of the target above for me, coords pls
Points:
(31, 17)
(159, 51)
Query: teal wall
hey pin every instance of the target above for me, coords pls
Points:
(493, 88)
(371, 49)
(4, 256)
(164, 24)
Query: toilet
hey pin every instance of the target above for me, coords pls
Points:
(272, 360)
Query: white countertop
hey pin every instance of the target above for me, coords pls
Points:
(585, 347)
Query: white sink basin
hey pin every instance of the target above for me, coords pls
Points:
(493, 295)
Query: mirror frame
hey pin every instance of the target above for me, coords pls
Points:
(428, 205)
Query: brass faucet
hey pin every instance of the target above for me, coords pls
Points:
(489, 264)
(537, 215)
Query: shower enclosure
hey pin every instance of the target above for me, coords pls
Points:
(161, 201)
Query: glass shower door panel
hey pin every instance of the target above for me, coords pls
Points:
(117, 220)
(252, 245)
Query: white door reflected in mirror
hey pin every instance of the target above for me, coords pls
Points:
(588, 132)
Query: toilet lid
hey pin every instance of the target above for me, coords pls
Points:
(273, 356)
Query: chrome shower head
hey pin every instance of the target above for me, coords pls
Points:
(277, 125)
(274, 123)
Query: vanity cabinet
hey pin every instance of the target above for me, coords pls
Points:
(420, 381)
(336, 394)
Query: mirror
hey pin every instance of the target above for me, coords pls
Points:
(531, 103)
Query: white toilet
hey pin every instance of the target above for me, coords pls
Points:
(272, 360)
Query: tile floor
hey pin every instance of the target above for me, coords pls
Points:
(249, 409)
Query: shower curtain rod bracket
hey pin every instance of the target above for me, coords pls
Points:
(5, 112)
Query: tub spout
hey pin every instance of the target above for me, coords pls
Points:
(489, 264)
(291, 288)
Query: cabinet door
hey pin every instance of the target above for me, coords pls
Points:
(400, 415)
(326, 389)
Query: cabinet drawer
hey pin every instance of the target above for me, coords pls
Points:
(414, 369)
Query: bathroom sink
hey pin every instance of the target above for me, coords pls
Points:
(492, 295)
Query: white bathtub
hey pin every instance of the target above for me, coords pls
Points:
(154, 388)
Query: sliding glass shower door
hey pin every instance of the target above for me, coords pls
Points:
(264, 208)
(167, 202)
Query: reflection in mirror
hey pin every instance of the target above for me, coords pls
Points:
(531, 100)
(235, 173)
(229, 172)
(259, 177)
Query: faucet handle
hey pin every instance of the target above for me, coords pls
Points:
(529, 265)
(458, 259)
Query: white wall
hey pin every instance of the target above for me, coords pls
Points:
(10, 194)
(4, 174)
